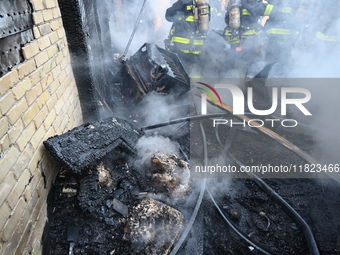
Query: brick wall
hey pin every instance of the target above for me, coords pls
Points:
(38, 99)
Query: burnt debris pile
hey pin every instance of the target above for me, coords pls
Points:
(103, 203)
(120, 204)
(106, 199)
(125, 190)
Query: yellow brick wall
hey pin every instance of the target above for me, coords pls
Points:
(38, 99)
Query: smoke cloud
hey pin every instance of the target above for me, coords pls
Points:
(152, 27)
(307, 58)
(157, 108)
(319, 63)
(148, 145)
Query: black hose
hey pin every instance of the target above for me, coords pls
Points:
(225, 148)
(311, 243)
(199, 200)
(312, 246)
(203, 184)
(172, 122)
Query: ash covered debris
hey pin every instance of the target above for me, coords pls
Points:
(113, 206)
(105, 205)
(104, 184)
(99, 195)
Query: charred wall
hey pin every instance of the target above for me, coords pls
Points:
(38, 99)
(87, 31)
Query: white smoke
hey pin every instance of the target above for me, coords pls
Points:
(152, 26)
(157, 108)
(316, 61)
(147, 146)
(322, 63)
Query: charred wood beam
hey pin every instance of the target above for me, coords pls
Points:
(74, 19)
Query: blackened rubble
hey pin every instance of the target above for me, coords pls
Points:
(98, 206)
(111, 206)
(100, 194)
(104, 205)
(93, 203)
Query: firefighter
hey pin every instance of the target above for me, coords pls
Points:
(247, 38)
(244, 32)
(242, 20)
(319, 46)
(187, 35)
(280, 31)
(326, 32)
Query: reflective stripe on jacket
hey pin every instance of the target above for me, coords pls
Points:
(249, 22)
(281, 22)
(326, 38)
(183, 34)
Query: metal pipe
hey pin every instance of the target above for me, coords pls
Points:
(176, 121)
(199, 200)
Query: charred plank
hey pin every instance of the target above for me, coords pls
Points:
(87, 144)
